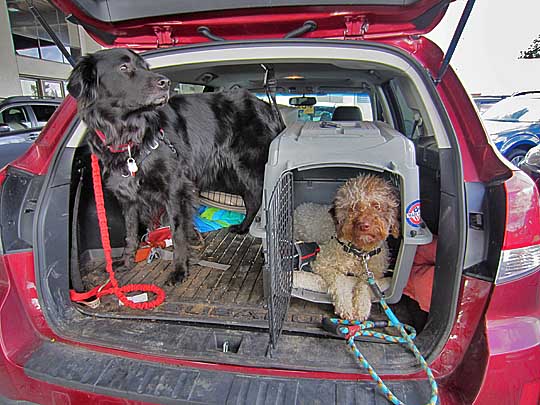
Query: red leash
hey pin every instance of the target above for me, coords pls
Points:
(112, 286)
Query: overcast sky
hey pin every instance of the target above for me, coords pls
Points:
(486, 56)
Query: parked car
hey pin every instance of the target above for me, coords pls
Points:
(484, 103)
(514, 125)
(531, 164)
(211, 345)
(21, 120)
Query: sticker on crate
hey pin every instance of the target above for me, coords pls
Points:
(413, 214)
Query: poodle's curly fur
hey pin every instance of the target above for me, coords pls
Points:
(313, 223)
(366, 210)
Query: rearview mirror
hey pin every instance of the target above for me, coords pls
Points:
(302, 101)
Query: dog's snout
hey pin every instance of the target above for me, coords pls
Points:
(364, 226)
(163, 82)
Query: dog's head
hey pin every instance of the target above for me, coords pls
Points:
(117, 79)
(366, 211)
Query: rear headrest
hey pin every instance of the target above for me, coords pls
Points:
(347, 113)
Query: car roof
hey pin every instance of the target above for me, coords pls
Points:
(30, 100)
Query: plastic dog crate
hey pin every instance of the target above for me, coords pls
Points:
(320, 157)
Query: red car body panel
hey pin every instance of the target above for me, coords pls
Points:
(495, 327)
(347, 21)
(513, 335)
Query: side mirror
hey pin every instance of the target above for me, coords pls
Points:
(302, 101)
(4, 128)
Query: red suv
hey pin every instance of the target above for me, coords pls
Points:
(208, 343)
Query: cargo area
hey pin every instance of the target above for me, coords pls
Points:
(220, 312)
(233, 296)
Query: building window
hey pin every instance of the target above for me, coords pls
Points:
(52, 88)
(30, 87)
(43, 87)
(30, 39)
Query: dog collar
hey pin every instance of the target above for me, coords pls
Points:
(131, 165)
(350, 248)
(124, 147)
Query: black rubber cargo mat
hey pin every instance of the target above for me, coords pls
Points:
(216, 295)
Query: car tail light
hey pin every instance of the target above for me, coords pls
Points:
(521, 247)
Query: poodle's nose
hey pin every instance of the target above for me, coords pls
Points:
(364, 226)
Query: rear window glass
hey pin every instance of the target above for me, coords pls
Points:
(326, 104)
(43, 113)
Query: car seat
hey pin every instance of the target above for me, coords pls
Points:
(347, 113)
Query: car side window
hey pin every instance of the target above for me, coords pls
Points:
(407, 114)
(43, 113)
(14, 118)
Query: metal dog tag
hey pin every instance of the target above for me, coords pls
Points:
(132, 166)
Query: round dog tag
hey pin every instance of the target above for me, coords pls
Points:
(132, 166)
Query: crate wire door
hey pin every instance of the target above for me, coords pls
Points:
(279, 236)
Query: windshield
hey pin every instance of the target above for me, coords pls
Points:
(515, 109)
(326, 104)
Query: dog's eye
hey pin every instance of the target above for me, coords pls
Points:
(123, 67)
(376, 205)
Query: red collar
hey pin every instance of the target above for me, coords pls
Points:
(114, 149)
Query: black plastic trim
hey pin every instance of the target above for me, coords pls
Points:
(496, 218)
(138, 380)
(18, 202)
(424, 20)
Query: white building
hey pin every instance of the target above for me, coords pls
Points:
(30, 63)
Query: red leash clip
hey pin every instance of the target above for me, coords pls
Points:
(353, 330)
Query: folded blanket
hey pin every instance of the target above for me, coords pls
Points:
(211, 219)
(420, 282)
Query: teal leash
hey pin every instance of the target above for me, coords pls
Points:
(354, 329)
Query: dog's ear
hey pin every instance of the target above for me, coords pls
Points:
(82, 82)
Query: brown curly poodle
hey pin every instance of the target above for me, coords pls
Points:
(366, 212)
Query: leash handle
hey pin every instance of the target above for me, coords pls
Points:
(352, 329)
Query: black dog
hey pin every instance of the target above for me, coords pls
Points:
(178, 145)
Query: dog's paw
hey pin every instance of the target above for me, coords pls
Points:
(361, 304)
(343, 308)
(239, 229)
(178, 276)
(175, 278)
(128, 261)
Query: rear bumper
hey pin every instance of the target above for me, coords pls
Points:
(73, 372)
(60, 373)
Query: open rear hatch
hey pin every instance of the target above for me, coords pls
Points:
(149, 25)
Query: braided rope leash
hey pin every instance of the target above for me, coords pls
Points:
(112, 286)
(353, 329)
